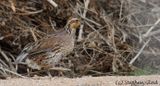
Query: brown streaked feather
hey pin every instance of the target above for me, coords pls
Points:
(47, 43)
(48, 51)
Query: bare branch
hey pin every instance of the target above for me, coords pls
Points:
(86, 3)
(53, 3)
(148, 32)
(140, 51)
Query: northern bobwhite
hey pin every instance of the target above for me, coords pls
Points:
(46, 52)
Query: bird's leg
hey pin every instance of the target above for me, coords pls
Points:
(60, 73)
(28, 71)
(49, 74)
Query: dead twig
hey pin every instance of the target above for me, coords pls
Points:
(89, 20)
(34, 36)
(101, 36)
(12, 5)
(30, 13)
(12, 72)
(86, 3)
(148, 32)
(53, 3)
(140, 51)
(10, 65)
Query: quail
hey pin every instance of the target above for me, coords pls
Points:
(48, 51)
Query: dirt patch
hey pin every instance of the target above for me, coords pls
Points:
(85, 81)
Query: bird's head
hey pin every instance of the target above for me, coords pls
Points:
(73, 23)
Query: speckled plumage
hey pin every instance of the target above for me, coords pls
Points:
(46, 52)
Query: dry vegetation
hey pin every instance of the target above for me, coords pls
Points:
(106, 43)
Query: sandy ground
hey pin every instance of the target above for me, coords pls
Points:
(85, 81)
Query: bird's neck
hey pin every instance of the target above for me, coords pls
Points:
(71, 31)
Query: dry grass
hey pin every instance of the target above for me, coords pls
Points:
(106, 42)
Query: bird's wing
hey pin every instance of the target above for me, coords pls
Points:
(48, 44)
